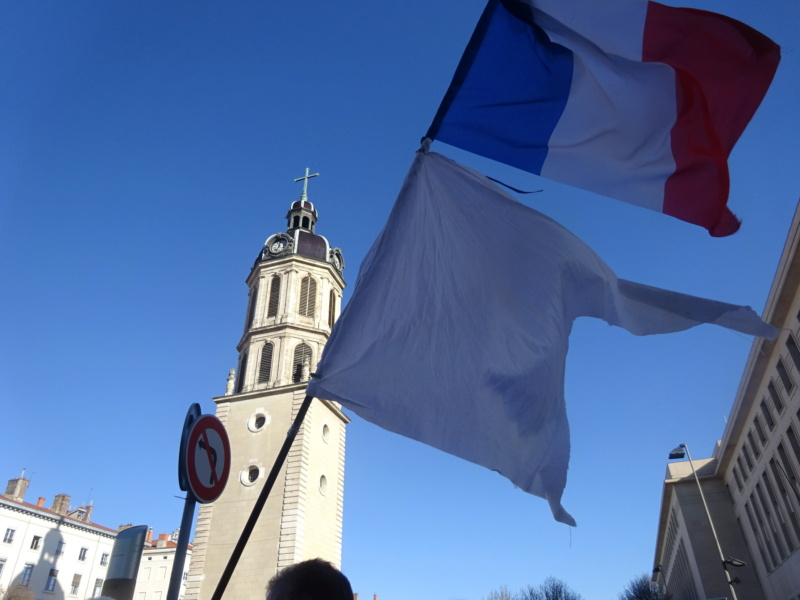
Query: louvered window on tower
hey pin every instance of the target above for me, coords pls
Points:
(302, 356)
(251, 311)
(265, 366)
(308, 295)
(242, 369)
(274, 296)
(332, 309)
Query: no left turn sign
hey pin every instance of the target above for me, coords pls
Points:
(208, 458)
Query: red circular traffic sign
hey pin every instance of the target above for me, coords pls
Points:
(208, 458)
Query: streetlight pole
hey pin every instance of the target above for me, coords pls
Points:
(678, 453)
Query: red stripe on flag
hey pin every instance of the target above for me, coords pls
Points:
(723, 69)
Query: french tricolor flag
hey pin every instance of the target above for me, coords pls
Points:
(631, 99)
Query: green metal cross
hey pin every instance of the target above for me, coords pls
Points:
(304, 195)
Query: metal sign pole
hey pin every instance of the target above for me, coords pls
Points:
(183, 544)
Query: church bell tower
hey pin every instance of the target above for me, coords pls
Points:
(294, 297)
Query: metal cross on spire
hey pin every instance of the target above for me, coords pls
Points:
(304, 195)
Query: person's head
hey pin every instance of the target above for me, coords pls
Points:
(313, 579)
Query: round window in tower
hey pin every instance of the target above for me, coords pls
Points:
(258, 420)
(250, 474)
(323, 485)
(326, 433)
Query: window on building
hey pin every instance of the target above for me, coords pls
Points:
(9, 536)
(786, 466)
(776, 399)
(779, 510)
(51, 580)
(794, 351)
(25, 577)
(104, 559)
(2, 566)
(763, 528)
(76, 583)
(790, 435)
(772, 519)
(331, 308)
(759, 430)
(241, 374)
(737, 478)
(98, 588)
(741, 467)
(308, 296)
(35, 542)
(780, 482)
(302, 356)
(82, 554)
(265, 365)
(747, 459)
(252, 473)
(305, 222)
(754, 526)
(753, 445)
(60, 548)
(787, 382)
(251, 310)
(767, 415)
(274, 296)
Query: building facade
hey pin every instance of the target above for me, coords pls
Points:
(751, 482)
(54, 553)
(155, 569)
(294, 297)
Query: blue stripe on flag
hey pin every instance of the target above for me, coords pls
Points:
(509, 71)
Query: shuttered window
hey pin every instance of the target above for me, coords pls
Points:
(265, 365)
(793, 351)
(251, 311)
(308, 295)
(242, 369)
(787, 382)
(302, 354)
(274, 296)
(332, 309)
(776, 399)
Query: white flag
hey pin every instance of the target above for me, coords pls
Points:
(457, 331)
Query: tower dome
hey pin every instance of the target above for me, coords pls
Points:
(300, 237)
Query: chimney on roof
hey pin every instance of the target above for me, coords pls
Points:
(149, 538)
(40, 502)
(163, 538)
(16, 488)
(60, 504)
(124, 527)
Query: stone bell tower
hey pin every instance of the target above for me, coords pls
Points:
(294, 297)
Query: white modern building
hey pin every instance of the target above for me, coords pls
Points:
(295, 291)
(155, 570)
(54, 553)
(751, 481)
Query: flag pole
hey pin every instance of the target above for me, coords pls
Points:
(262, 499)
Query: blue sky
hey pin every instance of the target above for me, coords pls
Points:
(148, 150)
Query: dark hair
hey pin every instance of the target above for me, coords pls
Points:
(313, 579)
